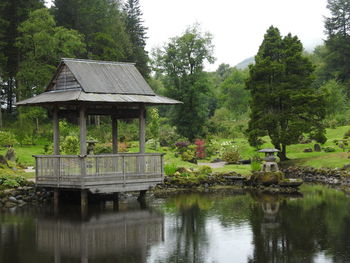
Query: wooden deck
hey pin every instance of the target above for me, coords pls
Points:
(100, 173)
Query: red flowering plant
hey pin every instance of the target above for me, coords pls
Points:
(200, 148)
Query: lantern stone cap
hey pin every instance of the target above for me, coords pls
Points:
(268, 150)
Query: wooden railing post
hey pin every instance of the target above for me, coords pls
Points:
(123, 169)
(161, 166)
(142, 140)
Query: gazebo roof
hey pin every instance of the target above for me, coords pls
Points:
(78, 80)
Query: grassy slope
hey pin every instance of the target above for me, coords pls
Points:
(294, 152)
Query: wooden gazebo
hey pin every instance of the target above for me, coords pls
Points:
(86, 87)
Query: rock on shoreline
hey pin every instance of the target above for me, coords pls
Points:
(24, 195)
(319, 175)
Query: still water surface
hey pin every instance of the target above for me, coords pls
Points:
(226, 226)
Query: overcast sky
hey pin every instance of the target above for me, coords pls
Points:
(238, 26)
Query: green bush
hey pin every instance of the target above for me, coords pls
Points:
(153, 144)
(170, 169)
(231, 155)
(255, 166)
(329, 149)
(168, 136)
(70, 145)
(103, 148)
(347, 134)
(204, 169)
(188, 156)
(7, 139)
(11, 181)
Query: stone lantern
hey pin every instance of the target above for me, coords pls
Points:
(270, 164)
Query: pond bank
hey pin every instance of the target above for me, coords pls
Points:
(231, 181)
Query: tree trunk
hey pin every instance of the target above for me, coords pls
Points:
(283, 153)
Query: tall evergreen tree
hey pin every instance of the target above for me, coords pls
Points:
(101, 22)
(137, 34)
(182, 60)
(284, 103)
(338, 41)
(12, 13)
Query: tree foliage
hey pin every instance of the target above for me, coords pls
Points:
(233, 94)
(102, 24)
(338, 41)
(42, 44)
(284, 103)
(12, 14)
(182, 60)
(137, 34)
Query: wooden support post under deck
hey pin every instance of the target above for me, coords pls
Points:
(84, 201)
(115, 134)
(115, 201)
(56, 196)
(142, 126)
(56, 132)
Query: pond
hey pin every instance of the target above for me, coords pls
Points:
(224, 226)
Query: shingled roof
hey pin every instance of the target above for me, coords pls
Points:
(97, 81)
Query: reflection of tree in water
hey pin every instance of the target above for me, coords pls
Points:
(298, 230)
(189, 230)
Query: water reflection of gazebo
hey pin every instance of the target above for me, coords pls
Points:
(84, 87)
(123, 236)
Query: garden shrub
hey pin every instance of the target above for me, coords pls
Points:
(347, 134)
(212, 147)
(170, 169)
(329, 149)
(153, 144)
(255, 166)
(230, 153)
(70, 145)
(200, 148)
(168, 136)
(103, 148)
(7, 139)
(189, 156)
(181, 146)
(123, 147)
(10, 181)
(204, 169)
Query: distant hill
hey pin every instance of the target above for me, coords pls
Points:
(245, 63)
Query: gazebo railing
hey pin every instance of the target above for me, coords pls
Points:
(73, 171)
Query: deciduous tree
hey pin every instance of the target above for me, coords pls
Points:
(182, 60)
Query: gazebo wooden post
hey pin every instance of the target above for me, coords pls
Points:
(56, 132)
(115, 134)
(142, 144)
(83, 153)
(56, 150)
(142, 126)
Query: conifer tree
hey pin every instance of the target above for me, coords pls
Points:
(137, 34)
(102, 24)
(284, 103)
(12, 13)
(338, 40)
